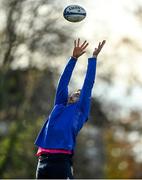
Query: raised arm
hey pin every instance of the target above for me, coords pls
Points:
(85, 96)
(62, 88)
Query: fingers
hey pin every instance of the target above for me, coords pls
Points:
(84, 45)
(80, 49)
(101, 44)
(78, 42)
(75, 43)
(98, 49)
(82, 53)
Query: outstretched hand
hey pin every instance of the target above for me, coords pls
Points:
(79, 49)
(98, 49)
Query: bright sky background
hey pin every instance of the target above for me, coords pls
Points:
(113, 20)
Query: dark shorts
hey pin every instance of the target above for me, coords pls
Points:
(54, 166)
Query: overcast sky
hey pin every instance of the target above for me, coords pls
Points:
(114, 20)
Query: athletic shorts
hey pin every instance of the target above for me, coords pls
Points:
(54, 166)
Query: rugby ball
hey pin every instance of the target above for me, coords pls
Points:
(74, 13)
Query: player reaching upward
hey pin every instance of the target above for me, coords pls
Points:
(57, 138)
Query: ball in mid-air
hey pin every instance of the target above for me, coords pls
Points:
(74, 13)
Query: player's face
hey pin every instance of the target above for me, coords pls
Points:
(74, 97)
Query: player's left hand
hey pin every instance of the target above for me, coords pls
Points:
(99, 48)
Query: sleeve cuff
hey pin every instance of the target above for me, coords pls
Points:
(92, 58)
(73, 58)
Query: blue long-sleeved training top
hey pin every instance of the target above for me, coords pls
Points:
(65, 120)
